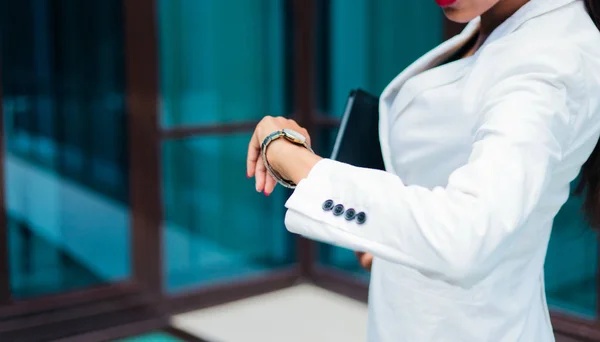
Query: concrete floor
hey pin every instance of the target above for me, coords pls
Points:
(298, 314)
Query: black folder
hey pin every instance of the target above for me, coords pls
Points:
(357, 141)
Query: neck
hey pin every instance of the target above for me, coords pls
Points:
(496, 15)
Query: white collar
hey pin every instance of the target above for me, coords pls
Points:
(532, 9)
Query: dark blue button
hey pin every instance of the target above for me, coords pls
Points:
(328, 205)
(361, 218)
(338, 210)
(350, 214)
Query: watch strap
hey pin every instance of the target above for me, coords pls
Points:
(265, 144)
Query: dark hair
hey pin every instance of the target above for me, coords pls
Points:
(589, 178)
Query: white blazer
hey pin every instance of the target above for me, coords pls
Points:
(479, 155)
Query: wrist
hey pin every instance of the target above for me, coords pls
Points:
(276, 155)
(292, 162)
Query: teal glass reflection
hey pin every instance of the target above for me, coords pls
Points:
(218, 228)
(369, 43)
(66, 146)
(571, 269)
(220, 60)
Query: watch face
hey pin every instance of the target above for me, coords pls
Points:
(295, 136)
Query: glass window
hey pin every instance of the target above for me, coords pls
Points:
(370, 42)
(367, 43)
(66, 145)
(571, 270)
(218, 228)
(221, 60)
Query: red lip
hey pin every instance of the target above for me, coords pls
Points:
(445, 3)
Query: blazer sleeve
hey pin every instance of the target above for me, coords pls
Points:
(458, 231)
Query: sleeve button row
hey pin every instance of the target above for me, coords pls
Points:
(349, 214)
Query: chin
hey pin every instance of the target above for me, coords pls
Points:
(458, 16)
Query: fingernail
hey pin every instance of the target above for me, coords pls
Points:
(267, 194)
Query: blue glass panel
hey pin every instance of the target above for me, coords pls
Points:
(218, 228)
(571, 270)
(220, 60)
(372, 41)
(66, 145)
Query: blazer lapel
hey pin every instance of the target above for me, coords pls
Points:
(530, 10)
(429, 60)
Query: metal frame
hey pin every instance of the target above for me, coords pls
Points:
(141, 44)
(183, 132)
(305, 22)
(575, 327)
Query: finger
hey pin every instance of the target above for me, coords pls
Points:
(253, 155)
(260, 175)
(305, 133)
(363, 259)
(270, 184)
(366, 261)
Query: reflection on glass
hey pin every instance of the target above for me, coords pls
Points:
(571, 270)
(220, 60)
(39, 266)
(218, 228)
(66, 148)
(370, 42)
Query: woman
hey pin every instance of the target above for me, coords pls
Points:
(481, 138)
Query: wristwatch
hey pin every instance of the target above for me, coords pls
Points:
(291, 136)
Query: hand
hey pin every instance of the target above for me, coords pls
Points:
(365, 260)
(255, 166)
